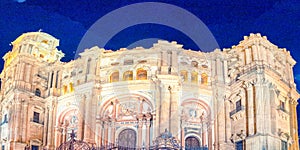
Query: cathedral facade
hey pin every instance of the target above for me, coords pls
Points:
(243, 97)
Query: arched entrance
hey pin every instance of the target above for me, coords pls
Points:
(192, 143)
(127, 140)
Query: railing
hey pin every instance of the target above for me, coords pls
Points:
(36, 121)
(282, 109)
(240, 108)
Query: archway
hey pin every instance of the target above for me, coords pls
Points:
(192, 143)
(127, 139)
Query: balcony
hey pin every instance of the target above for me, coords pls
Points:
(282, 109)
(36, 121)
(238, 109)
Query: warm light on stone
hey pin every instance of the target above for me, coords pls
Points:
(239, 97)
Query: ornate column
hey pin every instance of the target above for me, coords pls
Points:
(98, 133)
(50, 128)
(112, 132)
(148, 124)
(57, 136)
(18, 119)
(182, 133)
(255, 52)
(227, 120)
(25, 121)
(45, 126)
(64, 134)
(106, 125)
(250, 109)
(140, 132)
(210, 138)
(87, 120)
(11, 122)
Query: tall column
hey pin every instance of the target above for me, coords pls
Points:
(11, 122)
(50, 128)
(255, 52)
(182, 134)
(45, 126)
(57, 136)
(99, 133)
(250, 109)
(87, 120)
(148, 124)
(24, 121)
(228, 121)
(112, 133)
(210, 147)
(140, 132)
(64, 134)
(18, 120)
(106, 125)
(204, 138)
(175, 116)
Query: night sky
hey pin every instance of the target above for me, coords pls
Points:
(228, 20)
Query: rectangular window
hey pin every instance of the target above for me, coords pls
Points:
(5, 118)
(128, 62)
(238, 105)
(33, 147)
(282, 105)
(56, 80)
(51, 80)
(239, 145)
(36, 117)
(283, 145)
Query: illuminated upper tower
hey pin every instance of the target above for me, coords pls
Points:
(39, 44)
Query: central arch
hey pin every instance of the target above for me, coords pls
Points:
(127, 139)
(192, 143)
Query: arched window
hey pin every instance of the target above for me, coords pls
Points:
(114, 77)
(128, 75)
(184, 75)
(194, 77)
(37, 92)
(65, 89)
(204, 78)
(71, 87)
(141, 74)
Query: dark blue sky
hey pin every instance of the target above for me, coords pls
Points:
(228, 20)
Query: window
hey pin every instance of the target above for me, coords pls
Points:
(194, 64)
(34, 147)
(184, 76)
(238, 105)
(88, 66)
(65, 89)
(141, 74)
(239, 145)
(128, 62)
(204, 78)
(283, 145)
(128, 75)
(5, 120)
(37, 92)
(71, 87)
(282, 105)
(114, 77)
(194, 77)
(36, 117)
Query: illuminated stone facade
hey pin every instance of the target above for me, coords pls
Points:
(244, 96)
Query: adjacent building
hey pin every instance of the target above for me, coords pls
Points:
(243, 97)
